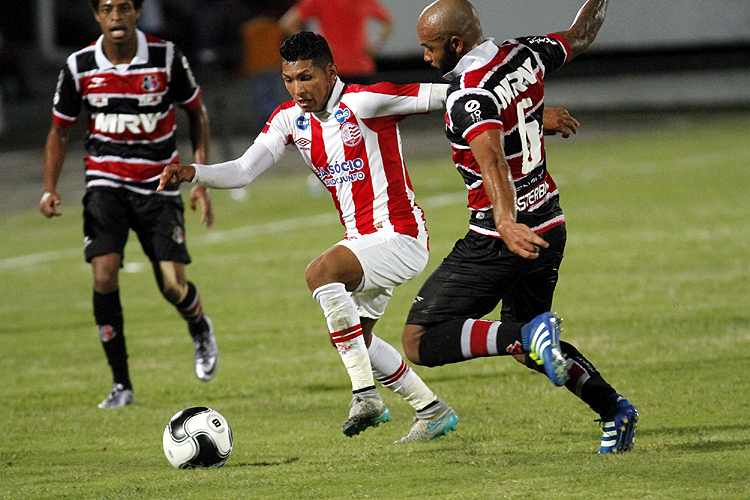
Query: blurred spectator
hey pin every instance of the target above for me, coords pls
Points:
(14, 81)
(344, 23)
(261, 63)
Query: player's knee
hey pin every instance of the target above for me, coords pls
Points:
(410, 343)
(173, 292)
(105, 280)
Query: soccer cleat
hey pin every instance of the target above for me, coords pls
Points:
(206, 352)
(541, 339)
(364, 413)
(118, 398)
(426, 429)
(619, 427)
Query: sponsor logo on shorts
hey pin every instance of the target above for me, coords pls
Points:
(351, 134)
(178, 235)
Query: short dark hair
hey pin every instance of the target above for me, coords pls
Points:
(95, 4)
(307, 46)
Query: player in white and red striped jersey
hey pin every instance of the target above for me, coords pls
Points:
(128, 84)
(514, 247)
(348, 135)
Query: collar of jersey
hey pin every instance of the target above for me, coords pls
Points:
(141, 56)
(475, 58)
(333, 101)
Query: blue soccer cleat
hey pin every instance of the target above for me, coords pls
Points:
(541, 339)
(619, 427)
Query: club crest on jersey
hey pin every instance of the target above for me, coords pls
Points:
(150, 83)
(341, 115)
(351, 134)
(302, 122)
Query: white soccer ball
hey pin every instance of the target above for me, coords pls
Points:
(197, 437)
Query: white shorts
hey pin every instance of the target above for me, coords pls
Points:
(388, 259)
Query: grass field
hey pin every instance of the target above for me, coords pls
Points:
(655, 290)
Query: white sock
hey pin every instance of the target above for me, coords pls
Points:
(392, 371)
(346, 332)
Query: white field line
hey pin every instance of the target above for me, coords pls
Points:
(635, 168)
(239, 233)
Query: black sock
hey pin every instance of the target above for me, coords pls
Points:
(583, 379)
(461, 339)
(191, 310)
(109, 321)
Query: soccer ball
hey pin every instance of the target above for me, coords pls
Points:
(197, 437)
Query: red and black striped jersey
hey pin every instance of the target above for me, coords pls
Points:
(131, 132)
(502, 87)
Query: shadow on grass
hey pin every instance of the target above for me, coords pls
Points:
(288, 461)
(702, 437)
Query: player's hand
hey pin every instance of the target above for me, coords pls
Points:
(175, 174)
(200, 194)
(559, 120)
(521, 240)
(48, 204)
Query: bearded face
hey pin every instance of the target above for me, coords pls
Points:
(449, 58)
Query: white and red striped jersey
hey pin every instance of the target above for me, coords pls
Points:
(131, 134)
(354, 148)
(502, 87)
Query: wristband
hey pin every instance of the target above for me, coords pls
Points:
(46, 195)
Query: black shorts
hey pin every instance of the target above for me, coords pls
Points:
(480, 272)
(158, 221)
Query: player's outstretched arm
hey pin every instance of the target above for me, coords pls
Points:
(559, 120)
(175, 174)
(585, 27)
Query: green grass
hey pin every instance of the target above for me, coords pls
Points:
(655, 290)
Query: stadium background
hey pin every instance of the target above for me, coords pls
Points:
(653, 61)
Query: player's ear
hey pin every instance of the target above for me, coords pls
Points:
(457, 43)
(332, 70)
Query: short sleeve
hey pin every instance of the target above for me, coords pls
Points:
(276, 135)
(66, 105)
(471, 112)
(553, 50)
(183, 86)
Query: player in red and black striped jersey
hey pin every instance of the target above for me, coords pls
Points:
(516, 238)
(128, 84)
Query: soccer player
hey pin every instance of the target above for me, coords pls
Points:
(517, 234)
(130, 82)
(348, 136)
